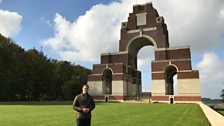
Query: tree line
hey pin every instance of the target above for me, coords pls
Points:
(28, 75)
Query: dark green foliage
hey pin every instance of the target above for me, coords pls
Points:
(222, 95)
(28, 75)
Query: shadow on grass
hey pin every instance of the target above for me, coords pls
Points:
(38, 103)
(46, 103)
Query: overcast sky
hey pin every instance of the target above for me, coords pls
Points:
(80, 30)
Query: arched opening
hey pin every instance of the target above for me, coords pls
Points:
(175, 85)
(141, 49)
(137, 43)
(170, 71)
(107, 81)
(145, 56)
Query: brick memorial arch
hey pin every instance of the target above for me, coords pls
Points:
(117, 77)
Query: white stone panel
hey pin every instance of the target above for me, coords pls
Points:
(95, 88)
(125, 88)
(158, 87)
(118, 88)
(188, 87)
(141, 19)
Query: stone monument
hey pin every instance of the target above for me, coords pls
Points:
(117, 77)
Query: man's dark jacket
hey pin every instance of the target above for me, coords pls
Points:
(83, 101)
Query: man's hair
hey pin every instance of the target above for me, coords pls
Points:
(86, 85)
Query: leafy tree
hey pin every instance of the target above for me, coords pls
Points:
(63, 72)
(40, 76)
(73, 87)
(30, 75)
(11, 67)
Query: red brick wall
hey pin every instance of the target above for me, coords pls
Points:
(110, 97)
(188, 75)
(160, 55)
(98, 69)
(98, 97)
(158, 76)
(95, 78)
(160, 35)
(159, 66)
(117, 68)
(118, 77)
(187, 98)
(183, 53)
(160, 98)
(183, 64)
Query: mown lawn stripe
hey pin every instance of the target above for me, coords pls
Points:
(110, 114)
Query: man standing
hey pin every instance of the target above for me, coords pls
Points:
(83, 104)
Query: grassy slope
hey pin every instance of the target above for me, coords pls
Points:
(149, 115)
(112, 114)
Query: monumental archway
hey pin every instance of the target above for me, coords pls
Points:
(138, 42)
(117, 76)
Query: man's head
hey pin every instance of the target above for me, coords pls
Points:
(85, 88)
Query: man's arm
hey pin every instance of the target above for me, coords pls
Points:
(92, 104)
(76, 105)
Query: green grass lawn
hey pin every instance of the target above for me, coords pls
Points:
(110, 114)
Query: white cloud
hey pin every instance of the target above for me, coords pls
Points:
(145, 56)
(195, 23)
(211, 70)
(10, 23)
(221, 13)
(95, 32)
